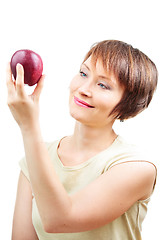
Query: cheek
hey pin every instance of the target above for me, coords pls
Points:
(105, 100)
(73, 85)
(72, 88)
(108, 101)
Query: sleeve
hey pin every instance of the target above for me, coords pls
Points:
(133, 158)
(132, 153)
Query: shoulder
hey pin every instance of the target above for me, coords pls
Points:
(139, 175)
(124, 151)
(134, 165)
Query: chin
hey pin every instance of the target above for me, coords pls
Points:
(83, 120)
(78, 117)
(81, 116)
(75, 115)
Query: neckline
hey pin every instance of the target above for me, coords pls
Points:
(81, 165)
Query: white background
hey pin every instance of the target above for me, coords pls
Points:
(62, 32)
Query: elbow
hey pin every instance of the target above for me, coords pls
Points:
(54, 229)
(50, 226)
(60, 222)
(50, 229)
(57, 226)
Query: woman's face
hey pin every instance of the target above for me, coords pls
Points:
(94, 94)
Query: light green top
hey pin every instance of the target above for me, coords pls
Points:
(126, 227)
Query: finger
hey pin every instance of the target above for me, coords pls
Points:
(39, 87)
(9, 81)
(20, 80)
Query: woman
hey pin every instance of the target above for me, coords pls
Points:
(92, 184)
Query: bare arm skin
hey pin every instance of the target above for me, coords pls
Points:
(22, 219)
(100, 202)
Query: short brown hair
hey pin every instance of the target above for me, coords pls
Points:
(133, 69)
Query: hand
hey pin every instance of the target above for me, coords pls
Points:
(24, 108)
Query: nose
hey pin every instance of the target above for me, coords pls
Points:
(86, 89)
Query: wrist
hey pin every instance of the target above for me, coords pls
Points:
(32, 131)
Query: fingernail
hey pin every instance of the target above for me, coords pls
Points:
(18, 65)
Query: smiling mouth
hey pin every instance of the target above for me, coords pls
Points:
(82, 103)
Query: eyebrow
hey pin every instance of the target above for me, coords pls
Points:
(85, 66)
(100, 76)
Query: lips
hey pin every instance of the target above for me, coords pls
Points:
(82, 103)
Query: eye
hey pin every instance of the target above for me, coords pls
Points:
(82, 74)
(104, 86)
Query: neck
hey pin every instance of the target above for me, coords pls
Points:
(87, 138)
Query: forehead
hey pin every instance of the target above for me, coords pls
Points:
(97, 65)
(99, 68)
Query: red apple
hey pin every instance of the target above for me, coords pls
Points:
(32, 64)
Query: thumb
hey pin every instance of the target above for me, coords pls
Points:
(39, 87)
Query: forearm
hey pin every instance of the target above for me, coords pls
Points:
(52, 200)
